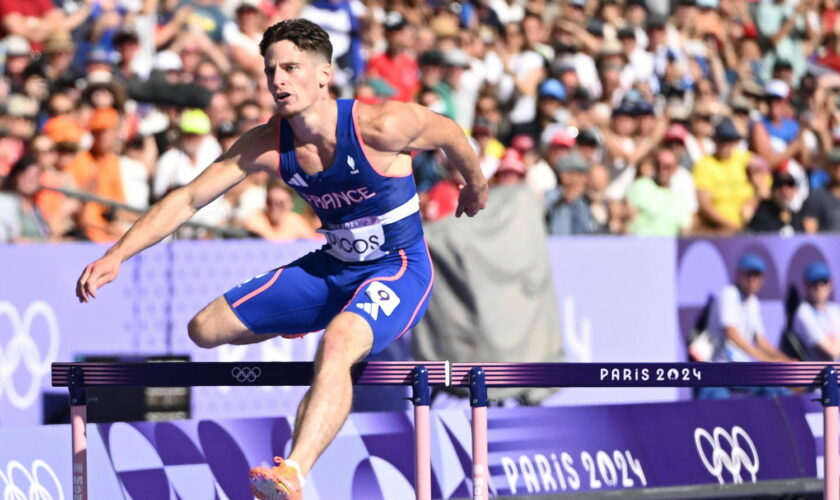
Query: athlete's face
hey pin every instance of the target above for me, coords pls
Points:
(295, 78)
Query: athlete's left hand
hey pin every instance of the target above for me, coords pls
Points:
(472, 199)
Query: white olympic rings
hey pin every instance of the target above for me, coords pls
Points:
(22, 350)
(34, 490)
(733, 458)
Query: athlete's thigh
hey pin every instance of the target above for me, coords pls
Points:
(394, 298)
(293, 299)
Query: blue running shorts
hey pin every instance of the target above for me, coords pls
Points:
(391, 293)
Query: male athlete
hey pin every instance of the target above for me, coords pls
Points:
(370, 283)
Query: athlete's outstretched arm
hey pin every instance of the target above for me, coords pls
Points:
(250, 153)
(397, 127)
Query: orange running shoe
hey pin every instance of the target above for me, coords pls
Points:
(280, 482)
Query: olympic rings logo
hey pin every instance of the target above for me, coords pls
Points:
(739, 453)
(23, 351)
(246, 374)
(31, 488)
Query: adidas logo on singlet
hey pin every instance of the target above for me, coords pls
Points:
(298, 181)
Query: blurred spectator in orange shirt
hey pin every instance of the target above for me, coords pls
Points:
(58, 209)
(97, 171)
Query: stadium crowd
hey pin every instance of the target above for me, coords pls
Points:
(647, 117)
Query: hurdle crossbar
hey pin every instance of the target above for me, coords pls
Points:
(476, 376)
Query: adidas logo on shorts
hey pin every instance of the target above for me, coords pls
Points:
(369, 308)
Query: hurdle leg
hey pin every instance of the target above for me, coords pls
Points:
(421, 398)
(78, 427)
(478, 402)
(831, 434)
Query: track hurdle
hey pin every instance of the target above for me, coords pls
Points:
(476, 376)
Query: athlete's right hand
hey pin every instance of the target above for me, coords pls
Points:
(95, 275)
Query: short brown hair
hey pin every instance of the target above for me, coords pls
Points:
(306, 35)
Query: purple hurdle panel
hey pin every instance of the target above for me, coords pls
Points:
(77, 376)
(476, 376)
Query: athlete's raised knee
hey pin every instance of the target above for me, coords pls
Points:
(200, 331)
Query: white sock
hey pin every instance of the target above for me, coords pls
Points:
(293, 463)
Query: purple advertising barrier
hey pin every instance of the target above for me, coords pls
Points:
(531, 451)
(41, 321)
(143, 312)
(616, 302)
(707, 265)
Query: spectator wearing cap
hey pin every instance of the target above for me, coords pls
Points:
(168, 66)
(567, 212)
(511, 171)
(397, 65)
(462, 84)
(20, 219)
(18, 52)
(776, 214)
(817, 319)
(700, 141)
(59, 50)
(674, 139)
(97, 172)
(432, 71)
(196, 148)
(656, 207)
(624, 149)
(543, 176)
(780, 139)
(737, 329)
(589, 144)
(776, 136)
(59, 210)
(741, 109)
(721, 180)
(22, 115)
(551, 113)
(821, 212)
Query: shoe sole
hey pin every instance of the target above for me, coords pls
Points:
(267, 487)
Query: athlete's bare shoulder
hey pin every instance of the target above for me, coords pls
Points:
(256, 149)
(390, 125)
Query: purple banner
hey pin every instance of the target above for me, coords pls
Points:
(616, 302)
(707, 265)
(532, 450)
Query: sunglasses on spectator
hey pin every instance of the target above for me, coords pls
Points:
(818, 283)
(705, 118)
(786, 183)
